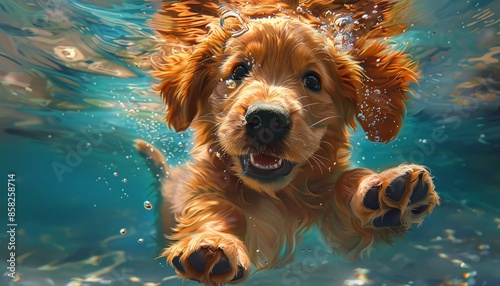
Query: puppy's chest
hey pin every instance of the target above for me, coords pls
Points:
(265, 213)
(270, 226)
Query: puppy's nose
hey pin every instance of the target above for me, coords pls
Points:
(267, 122)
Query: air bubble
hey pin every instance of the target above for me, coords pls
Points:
(376, 138)
(231, 84)
(140, 240)
(343, 24)
(115, 174)
(148, 205)
(123, 231)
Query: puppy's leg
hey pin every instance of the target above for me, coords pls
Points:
(206, 244)
(370, 207)
(208, 247)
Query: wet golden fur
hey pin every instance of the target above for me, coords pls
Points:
(209, 203)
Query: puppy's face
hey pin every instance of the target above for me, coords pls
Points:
(278, 97)
(279, 92)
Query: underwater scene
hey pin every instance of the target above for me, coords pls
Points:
(78, 202)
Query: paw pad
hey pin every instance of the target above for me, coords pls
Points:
(197, 262)
(371, 198)
(420, 191)
(395, 191)
(391, 218)
(397, 188)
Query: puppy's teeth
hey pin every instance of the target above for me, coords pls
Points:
(275, 166)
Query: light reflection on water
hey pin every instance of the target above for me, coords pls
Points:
(70, 70)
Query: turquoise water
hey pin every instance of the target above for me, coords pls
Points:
(75, 93)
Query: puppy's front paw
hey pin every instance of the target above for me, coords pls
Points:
(400, 196)
(211, 258)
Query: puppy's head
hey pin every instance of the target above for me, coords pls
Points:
(282, 88)
(272, 97)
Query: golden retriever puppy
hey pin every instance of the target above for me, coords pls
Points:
(270, 89)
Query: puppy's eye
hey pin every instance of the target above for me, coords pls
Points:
(239, 72)
(312, 82)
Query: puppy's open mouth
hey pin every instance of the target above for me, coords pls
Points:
(265, 167)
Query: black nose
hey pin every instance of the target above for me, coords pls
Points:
(267, 122)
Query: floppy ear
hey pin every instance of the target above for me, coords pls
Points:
(188, 60)
(188, 79)
(380, 102)
(349, 80)
(385, 72)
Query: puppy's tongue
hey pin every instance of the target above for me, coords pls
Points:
(266, 162)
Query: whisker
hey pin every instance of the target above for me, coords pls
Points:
(310, 104)
(318, 162)
(322, 157)
(300, 152)
(324, 119)
(328, 143)
(295, 188)
(206, 120)
(304, 96)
